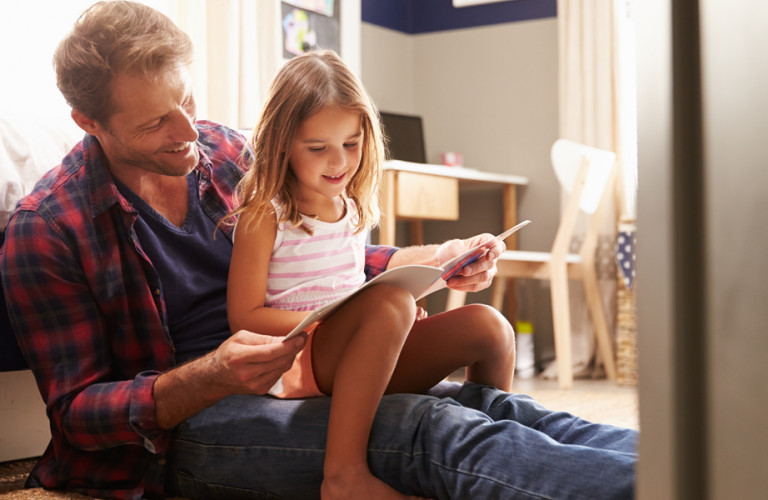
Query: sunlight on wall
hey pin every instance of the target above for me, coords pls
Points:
(238, 49)
(29, 33)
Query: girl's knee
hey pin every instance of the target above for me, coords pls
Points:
(393, 304)
(495, 331)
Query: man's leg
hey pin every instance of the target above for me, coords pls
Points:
(420, 445)
(263, 447)
(560, 426)
(499, 445)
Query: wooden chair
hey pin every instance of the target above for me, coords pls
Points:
(587, 174)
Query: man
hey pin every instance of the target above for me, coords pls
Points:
(116, 288)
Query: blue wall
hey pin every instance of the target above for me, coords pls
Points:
(425, 16)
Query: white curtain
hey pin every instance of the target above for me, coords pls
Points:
(238, 49)
(591, 97)
(237, 52)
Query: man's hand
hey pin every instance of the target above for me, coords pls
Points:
(479, 274)
(246, 363)
(249, 363)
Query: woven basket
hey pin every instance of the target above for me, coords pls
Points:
(626, 335)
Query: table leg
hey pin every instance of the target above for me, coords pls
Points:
(388, 216)
(510, 219)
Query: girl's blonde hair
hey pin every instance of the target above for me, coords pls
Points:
(303, 86)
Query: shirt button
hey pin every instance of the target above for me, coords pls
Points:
(156, 291)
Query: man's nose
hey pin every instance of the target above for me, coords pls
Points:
(184, 127)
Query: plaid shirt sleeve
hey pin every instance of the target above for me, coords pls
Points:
(56, 320)
(376, 259)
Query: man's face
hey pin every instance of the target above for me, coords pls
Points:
(153, 127)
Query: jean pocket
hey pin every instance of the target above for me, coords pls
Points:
(191, 487)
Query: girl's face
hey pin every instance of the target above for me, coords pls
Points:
(325, 154)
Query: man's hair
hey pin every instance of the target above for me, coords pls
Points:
(110, 38)
(302, 87)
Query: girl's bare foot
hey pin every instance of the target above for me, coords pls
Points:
(358, 483)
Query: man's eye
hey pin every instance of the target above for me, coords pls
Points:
(154, 125)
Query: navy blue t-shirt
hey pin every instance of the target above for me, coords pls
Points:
(193, 269)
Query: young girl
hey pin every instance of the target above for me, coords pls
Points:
(306, 206)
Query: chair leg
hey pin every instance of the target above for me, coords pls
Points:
(597, 313)
(561, 322)
(497, 293)
(455, 299)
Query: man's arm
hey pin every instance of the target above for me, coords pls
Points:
(247, 363)
(87, 371)
(61, 330)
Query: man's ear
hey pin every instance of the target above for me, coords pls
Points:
(85, 123)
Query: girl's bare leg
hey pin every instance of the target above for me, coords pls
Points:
(476, 336)
(354, 354)
(366, 349)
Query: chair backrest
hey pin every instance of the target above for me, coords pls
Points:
(585, 173)
(567, 157)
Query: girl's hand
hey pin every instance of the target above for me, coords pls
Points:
(421, 313)
(479, 274)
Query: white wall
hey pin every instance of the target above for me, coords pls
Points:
(39, 25)
(387, 68)
(491, 94)
(29, 34)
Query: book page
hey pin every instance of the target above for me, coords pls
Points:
(414, 278)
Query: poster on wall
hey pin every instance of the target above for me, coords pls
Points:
(308, 25)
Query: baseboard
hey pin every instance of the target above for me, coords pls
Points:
(24, 431)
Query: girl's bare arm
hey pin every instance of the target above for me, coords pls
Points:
(247, 285)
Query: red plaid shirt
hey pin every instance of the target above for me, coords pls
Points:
(86, 307)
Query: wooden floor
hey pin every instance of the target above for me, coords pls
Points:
(598, 400)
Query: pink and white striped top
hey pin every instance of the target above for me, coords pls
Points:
(306, 272)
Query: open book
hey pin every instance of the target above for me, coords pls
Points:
(419, 280)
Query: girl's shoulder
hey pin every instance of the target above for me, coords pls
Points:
(353, 214)
(278, 207)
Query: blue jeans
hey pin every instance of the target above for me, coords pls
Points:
(479, 444)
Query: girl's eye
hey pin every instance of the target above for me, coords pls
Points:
(316, 149)
(351, 145)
